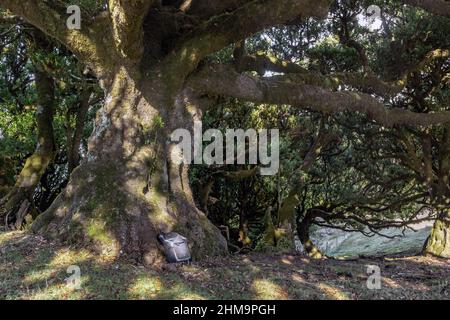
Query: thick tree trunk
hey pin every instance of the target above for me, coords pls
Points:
(17, 203)
(438, 243)
(284, 234)
(129, 190)
(303, 234)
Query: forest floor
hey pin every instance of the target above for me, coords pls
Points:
(34, 268)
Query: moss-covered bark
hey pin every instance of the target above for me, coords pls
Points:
(303, 228)
(438, 243)
(129, 190)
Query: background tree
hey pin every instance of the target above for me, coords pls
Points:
(416, 82)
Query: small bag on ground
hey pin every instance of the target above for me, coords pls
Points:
(175, 247)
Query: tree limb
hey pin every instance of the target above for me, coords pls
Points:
(223, 30)
(262, 62)
(224, 80)
(85, 43)
(127, 18)
(209, 8)
(366, 82)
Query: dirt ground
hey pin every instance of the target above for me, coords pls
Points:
(32, 267)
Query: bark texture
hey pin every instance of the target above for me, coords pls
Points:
(303, 227)
(129, 190)
(438, 243)
(437, 178)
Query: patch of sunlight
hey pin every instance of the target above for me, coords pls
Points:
(186, 5)
(298, 278)
(61, 259)
(145, 287)
(36, 162)
(107, 256)
(67, 257)
(189, 296)
(191, 268)
(39, 276)
(10, 236)
(332, 292)
(267, 290)
(251, 265)
(179, 292)
(99, 233)
(194, 56)
(58, 291)
(305, 260)
(161, 218)
(391, 283)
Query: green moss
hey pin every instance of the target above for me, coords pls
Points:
(438, 243)
(97, 217)
(97, 231)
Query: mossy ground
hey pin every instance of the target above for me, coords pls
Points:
(34, 268)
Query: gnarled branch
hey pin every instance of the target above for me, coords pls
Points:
(209, 8)
(223, 30)
(86, 44)
(224, 80)
(366, 82)
(127, 18)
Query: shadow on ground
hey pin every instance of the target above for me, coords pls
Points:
(32, 267)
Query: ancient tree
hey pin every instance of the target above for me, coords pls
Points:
(149, 57)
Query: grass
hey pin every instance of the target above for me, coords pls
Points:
(32, 267)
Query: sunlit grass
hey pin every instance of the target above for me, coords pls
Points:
(145, 287)
(333, 292)
(267, 290)
(33, 268)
